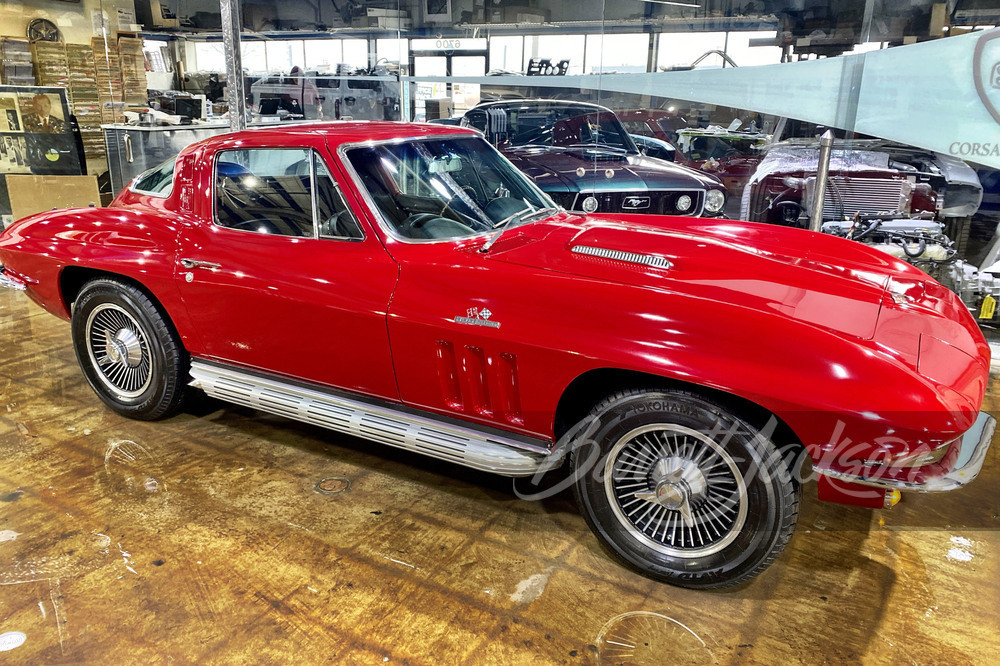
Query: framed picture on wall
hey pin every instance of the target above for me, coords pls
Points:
(36, 132)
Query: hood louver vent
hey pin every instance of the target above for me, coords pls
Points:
(619, 255)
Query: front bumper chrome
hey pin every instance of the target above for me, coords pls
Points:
(8, 281)
(972, 454)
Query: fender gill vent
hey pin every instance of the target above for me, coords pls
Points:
(618, 255)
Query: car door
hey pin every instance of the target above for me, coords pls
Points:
(281, 276)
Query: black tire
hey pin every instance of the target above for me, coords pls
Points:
(681, 490)
(128, 350)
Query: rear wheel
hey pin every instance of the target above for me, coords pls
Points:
(682, 490)
(128, 350)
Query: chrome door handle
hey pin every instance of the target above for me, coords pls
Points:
(194, 263)
(128, 148)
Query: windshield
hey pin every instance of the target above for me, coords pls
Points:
(704, 147)
(551, 124)
(444, 188)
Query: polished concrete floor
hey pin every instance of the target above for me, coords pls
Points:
(210, 537)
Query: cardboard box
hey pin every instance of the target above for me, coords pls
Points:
(511, 14)
(387, 13)
(382, 22)
(438, 108)
(34, 194)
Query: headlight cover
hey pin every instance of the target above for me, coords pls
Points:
(715, 201)
(684, 203)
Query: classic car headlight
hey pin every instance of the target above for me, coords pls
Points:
(684, 203)
(715, 201)
(589, 205)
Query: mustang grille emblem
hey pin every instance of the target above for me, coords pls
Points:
(635, 203)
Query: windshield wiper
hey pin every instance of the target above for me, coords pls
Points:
(520, 216)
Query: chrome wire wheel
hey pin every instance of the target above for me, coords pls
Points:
(675, 490)
(119, 351)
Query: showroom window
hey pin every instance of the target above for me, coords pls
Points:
(626, 53)
(681, 49)
(507, 53)
(738, 48)
(211, 56)
(323, 55)
(392, 50)
(556, 48)
(356, 53)
(284, 54)
(254, 56)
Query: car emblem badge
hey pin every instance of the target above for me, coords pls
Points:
(986, 71)
(635, 203)
(477, 317)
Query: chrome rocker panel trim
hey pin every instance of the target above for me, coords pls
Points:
(974, 447)
(10, 282)
(465, 446)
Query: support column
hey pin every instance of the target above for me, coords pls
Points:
(235, 89)
(822, 173)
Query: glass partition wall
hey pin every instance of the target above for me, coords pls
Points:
(708, 84)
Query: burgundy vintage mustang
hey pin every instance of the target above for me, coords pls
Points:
(405, 284)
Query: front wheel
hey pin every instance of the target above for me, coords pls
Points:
(128, 350)
(681, 490)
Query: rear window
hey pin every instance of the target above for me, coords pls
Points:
(158, 180)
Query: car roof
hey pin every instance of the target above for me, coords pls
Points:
(337, 132)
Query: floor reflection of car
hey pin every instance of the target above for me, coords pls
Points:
(582, 156)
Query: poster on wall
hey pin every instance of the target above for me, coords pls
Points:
(36, 135)
(10, 119)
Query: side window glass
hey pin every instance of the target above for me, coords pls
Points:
(158, 180)
(264, 190)
(334, 217)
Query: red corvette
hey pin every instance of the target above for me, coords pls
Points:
(405, 284)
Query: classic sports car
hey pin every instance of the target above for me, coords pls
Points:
(406, 284)
(730, 155)
(581, 156)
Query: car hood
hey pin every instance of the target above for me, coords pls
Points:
(815, 278)
(555, 169)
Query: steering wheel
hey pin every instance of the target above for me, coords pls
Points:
(425, 225)
(415, 223)
(265, 226)
(502, 208)
(467, 189)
